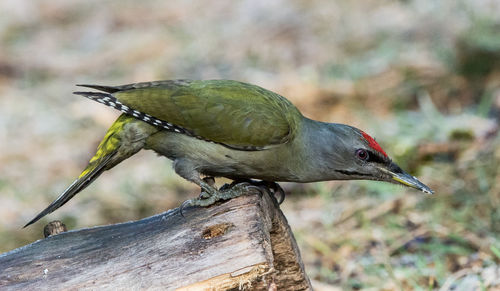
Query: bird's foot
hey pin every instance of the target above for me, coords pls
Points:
(272, 188)
(211, 195)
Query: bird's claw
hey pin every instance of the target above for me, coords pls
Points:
(224, 193)
(183, 205)
(278, 190)
(274, 189)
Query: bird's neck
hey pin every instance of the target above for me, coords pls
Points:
(315, 142)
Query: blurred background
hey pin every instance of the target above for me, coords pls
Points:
(423, 77)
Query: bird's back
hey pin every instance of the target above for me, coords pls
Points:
(236, 114)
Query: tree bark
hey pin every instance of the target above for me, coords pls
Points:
(244, 243)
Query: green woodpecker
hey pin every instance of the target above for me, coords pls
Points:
(223, 128)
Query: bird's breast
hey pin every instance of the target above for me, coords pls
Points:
(215, 159)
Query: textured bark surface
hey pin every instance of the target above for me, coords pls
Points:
(244, 243)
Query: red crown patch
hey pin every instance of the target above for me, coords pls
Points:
(372, 143)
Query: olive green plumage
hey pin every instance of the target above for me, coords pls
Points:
(223, 128)
(233, 113)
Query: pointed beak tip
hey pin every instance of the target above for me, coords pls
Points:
(406, 179)
(420, 186)
(412, 182)
(427, 191)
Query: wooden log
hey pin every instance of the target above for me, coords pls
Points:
(244, 243)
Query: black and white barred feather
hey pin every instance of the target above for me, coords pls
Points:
(111, 101)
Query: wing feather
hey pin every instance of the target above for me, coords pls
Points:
(237, 114)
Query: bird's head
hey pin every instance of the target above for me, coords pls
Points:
(353, 154)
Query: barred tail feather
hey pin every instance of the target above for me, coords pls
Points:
(105, 158)
(111, 101)
(93, 170)
(119, 143)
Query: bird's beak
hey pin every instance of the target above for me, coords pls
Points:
(406, 179)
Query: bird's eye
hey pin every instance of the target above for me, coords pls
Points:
(362, 154)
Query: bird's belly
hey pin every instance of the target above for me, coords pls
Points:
(220, 161)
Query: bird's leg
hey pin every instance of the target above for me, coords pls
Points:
(211, 182)
(209, 194)
(272, 188)
(213, 195)
(235, 182)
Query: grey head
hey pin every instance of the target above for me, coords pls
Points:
(346, 153)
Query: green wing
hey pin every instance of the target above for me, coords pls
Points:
(237, 114)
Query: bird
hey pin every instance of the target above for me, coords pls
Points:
(231, 129)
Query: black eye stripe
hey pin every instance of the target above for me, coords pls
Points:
(375, 158)
(351, 173)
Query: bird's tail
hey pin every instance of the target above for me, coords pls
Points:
(110, 152)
